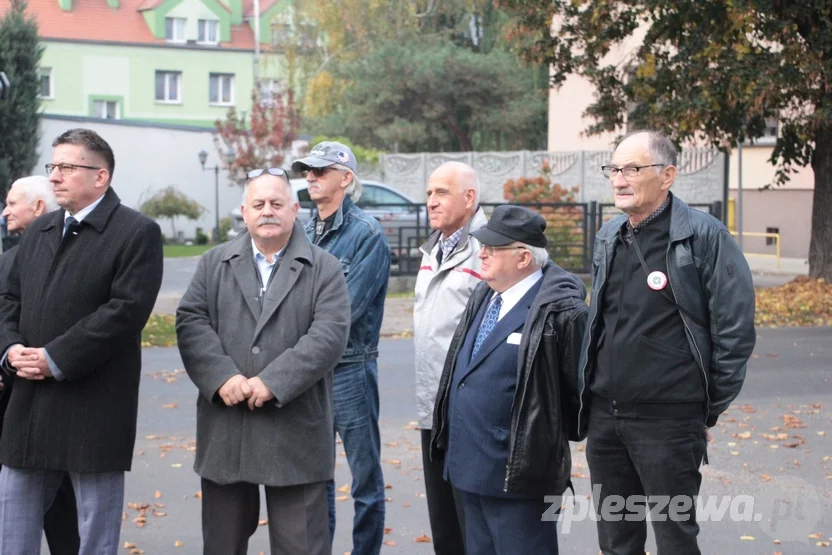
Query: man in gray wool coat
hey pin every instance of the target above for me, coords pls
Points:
(260, 329)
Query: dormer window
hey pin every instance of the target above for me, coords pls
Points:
(208, 31)
(175, 29)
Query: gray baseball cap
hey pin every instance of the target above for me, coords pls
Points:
(325, 154)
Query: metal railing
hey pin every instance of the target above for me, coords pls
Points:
(775, 236)
(570, 230)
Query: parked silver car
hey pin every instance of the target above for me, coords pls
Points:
(403, 219)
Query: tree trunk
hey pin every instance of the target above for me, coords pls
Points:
(173, 227)
(820, 246)
(465, 143)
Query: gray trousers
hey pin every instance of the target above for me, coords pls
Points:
(298, 518)
(26, 494)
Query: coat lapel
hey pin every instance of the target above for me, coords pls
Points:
(242, 264)
(288, 272)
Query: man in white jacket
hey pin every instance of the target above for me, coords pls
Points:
(449, 272)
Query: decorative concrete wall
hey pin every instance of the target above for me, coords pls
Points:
(701, 176)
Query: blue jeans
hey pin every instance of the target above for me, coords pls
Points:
(355, 394)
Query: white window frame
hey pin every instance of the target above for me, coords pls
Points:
(116, 112)
(203, 26)
(166, 99)
(174, 38)
(46, 71)
(222, 78)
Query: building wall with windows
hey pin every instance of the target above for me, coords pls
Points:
(147, 83)
(180, 62)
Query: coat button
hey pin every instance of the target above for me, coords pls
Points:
(615, 411)
(462, 385)
(255, 350)
(613, 403)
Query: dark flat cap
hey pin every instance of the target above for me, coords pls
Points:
(509, 223)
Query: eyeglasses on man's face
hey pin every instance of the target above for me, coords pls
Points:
(629, 172)
(489, 250)
(279, 172)
(319, 172)
(67, 169)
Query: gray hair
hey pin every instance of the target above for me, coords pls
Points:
(38, 187)
(354, 188)
(292, 193)
(661, 148)
(540, 256)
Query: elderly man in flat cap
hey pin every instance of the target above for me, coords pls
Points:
(508, 391)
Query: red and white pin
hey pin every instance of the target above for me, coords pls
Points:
(657, 281)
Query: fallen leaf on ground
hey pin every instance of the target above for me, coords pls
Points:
(263, 522)
(747, 538)
(405, 504)
(422, 539)
(198, 494)
(816, 536)
(391, 543)
(342, 497)
(804, 301)
(158, 494)
(388, 530)
(170, 406)
(128, 545)
(345, 488)
(178, 543)
(743, 435)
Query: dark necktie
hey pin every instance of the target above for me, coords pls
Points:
(70, 222)
(439, 256)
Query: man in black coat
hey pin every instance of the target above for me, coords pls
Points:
(28, 199)
(71, 333)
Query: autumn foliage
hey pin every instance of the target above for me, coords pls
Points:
(564, 218)
(274, 124)
(801, 302)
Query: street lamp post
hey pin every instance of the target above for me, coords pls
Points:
(203, 157)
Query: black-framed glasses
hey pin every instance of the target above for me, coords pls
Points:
(278, 172)
(319, 172)
(629, 172)
(67, 169)
(490, 249)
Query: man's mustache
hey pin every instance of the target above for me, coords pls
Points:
(267, 221)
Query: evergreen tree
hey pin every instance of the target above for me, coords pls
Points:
(20, 54)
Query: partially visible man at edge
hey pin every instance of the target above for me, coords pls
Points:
(28, 199)
(448, 274)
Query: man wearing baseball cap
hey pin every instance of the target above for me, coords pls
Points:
(357, 240)
(508, 393)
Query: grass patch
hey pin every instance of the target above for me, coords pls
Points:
(180, 251)
(160, 331)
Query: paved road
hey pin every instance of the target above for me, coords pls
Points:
(789, 372)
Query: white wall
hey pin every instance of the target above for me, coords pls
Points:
(151, 158)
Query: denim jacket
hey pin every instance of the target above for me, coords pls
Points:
(357, 240)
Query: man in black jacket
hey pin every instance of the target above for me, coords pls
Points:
(80, 291)
(671, 328)
(501, 418)
(28, 199)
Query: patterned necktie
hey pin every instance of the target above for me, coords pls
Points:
(489, 322)
(69, 222)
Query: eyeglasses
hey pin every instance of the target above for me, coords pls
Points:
(279, 172)
(67, 169)
(630, 172)
(319, 172)
(490, 250)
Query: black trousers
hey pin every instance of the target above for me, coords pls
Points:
(298, 518)
(444, 506)
(656, 458)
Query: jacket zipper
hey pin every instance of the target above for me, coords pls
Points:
(690, 334)
(586, 355)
